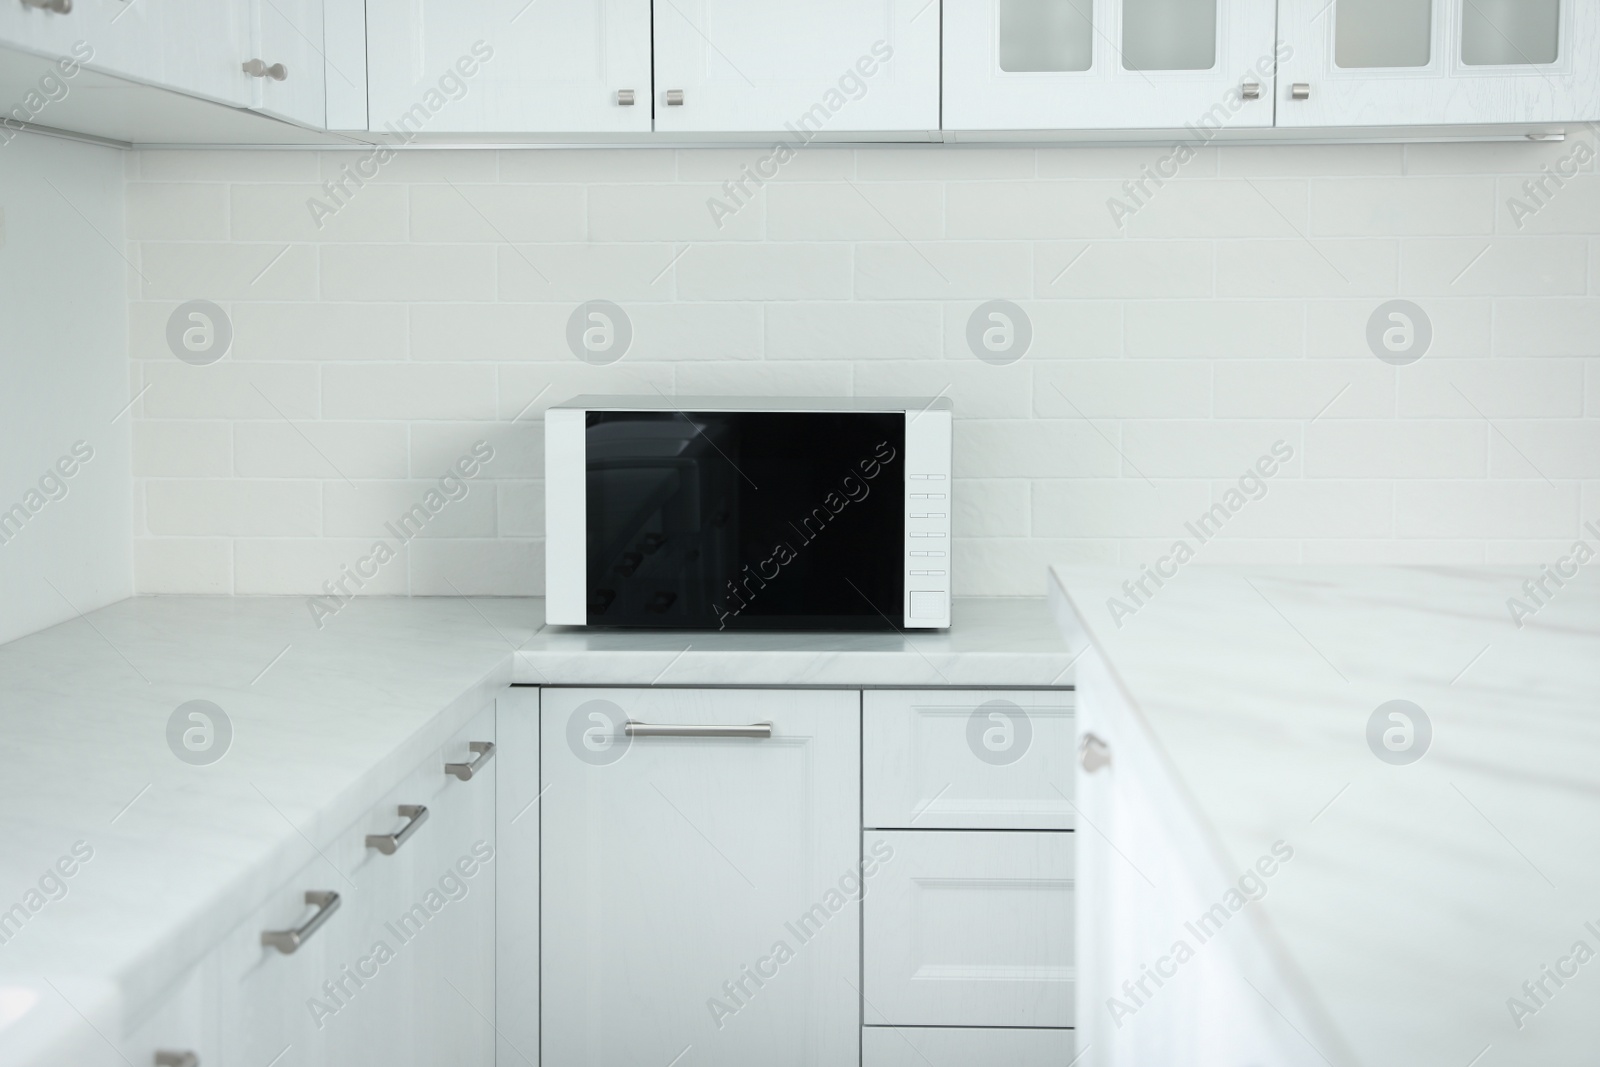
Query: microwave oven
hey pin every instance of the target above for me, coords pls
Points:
(734, 513)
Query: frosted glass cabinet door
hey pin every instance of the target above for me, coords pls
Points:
(825, 66)
(1436, 62)
(553, 66)
(1107, 64)
(690, 886)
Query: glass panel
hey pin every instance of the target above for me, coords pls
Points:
(1052, 35)
(1383, 33)
(1169, 34)
(1509, 31)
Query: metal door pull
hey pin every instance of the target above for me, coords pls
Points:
(326, 902)
(650, 729)
(484, 750)
(389, 844)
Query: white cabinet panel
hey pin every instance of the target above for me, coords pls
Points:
(700, 892)
(952, 1046)
(508, 66)
(186, 1019)
(823, 66)
(517, 869)
(1107, 64)
(971, 928)
(289, 32)
(960, 758)
(1425, 62)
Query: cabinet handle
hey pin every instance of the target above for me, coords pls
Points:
(650, 729)
(1300, 91)
(484, 750)
(674, 97)
(624, 97)
(1093, 753)
(1251, 90)
(326, 902)
(177, 1059)
(389, 844)
(257, 69)
(59, 7)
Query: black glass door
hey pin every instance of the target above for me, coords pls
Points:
(746, 520)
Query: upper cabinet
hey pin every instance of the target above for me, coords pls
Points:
(811, 66)
(508, 66)
(1434, 62)
(287, 64)
(1107, 64)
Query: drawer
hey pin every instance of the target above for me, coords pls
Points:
(954, 1046)
(967, 759)
(970, 929)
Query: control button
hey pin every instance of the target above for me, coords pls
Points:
(927, 477)
(927, 574)
(927, 496)
(930, 515)
(925, 552)
(925, 533)
(927, 605)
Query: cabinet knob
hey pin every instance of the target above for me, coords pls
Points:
(257, 69)
(1251, 90)
(624, 97)
(1093, 753)
(177, 1059)
(59, 7)
(674, 97)
(1300, 91)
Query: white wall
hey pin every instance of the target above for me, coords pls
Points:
(65, 545)
(1170, 352)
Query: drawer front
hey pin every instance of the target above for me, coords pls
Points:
(949, 1046)
(967, 759)
(970, 929)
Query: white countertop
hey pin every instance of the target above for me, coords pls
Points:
(325, 723)
(1422, 896)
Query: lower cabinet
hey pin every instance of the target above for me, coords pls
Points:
(385, 943)
(701, 877)
(953, 1046)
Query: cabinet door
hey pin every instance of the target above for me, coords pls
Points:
(290, 32)
(1108, 64)
(554, 66)
(108, 35)
(970, 929)
(185, 1020)
(517, 873)
(811, 66)
(1426, 62)
(700, 892)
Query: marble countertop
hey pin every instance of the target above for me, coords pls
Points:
(1423, 895)
(325, 722)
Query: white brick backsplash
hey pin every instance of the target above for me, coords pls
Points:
(408, 391)
(318, 331)
(852, 211)
(313, 449)
(290, 213)
(1228, 311)
(233, 508)
(454, 508)
(496, 214)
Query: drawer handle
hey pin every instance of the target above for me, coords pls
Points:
(326, 902)
(651, 729)
(674, 97)
(1300, 91)
(389, 844)
(484, 750)
(177, 1059)
(60, 7)
(1093, 753)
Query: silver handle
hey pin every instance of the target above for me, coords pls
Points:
(652, 729)
(484, 750)
(257, 69)
(1300, 91)
(389, 844)
(177, 1059)
(326, 901)
(1251, 90)
(1093, 753)
(60, 7)
(624, 97)
(674, 97)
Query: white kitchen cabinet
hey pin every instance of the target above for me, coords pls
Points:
(967, 759)
(957, 1046)
(187, 1020)
(1427, 62)
(509, 66)
(796, 67)
(699, 893)
(286, 39)
(1108, 64)
(517, 869)
(970, 929)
